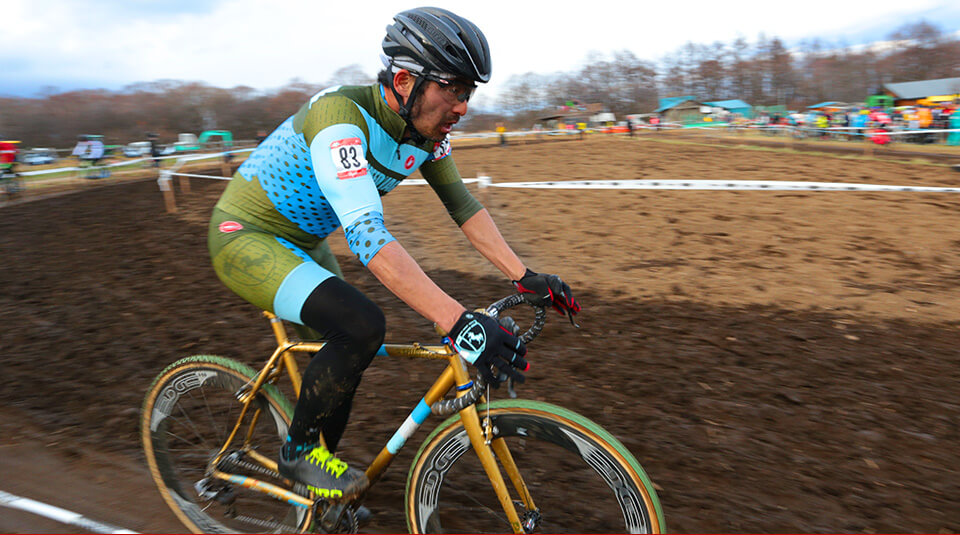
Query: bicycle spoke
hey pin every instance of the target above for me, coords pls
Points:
(578, 483)
(469, 496)
(220, 432)
(197, 417)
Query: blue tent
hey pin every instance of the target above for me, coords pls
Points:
(669, 102)
(826, 104)
(733, 106)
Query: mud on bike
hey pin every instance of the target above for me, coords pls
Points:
(211, 429)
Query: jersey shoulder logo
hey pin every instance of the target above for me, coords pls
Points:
(348, 158)
(442, 149)
(230, 226)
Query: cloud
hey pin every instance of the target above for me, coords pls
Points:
(266, 44)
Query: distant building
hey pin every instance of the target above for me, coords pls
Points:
(733, 106)
(569, 115)
(925, 92)
(688, 109)
(828, 105)
(681, 110)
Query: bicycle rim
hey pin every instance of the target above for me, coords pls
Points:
(187, 416)
(581, 478)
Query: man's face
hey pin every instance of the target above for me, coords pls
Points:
(437, 109)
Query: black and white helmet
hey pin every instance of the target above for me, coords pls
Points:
(434, 41)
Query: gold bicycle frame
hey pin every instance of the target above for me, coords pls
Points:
(455, 374)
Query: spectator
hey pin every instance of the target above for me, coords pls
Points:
(822, 122)
(954, 138)
(924, 119)
(154, 148)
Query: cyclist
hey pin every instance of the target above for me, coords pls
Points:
(325, 167)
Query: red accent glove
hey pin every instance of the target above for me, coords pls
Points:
(542, 290)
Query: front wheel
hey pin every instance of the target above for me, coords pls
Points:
(187, 416)
(581, 478)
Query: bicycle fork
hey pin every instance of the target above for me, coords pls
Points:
(489, 450)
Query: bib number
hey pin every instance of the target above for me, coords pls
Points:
(348, 158)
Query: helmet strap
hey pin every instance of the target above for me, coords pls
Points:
(406, 108)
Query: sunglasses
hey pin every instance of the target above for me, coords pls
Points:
(453, 90)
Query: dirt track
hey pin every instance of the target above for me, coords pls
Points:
(776, 361)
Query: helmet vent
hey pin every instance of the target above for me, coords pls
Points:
(439, 41)
(418, 19)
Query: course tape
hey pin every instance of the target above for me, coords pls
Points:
(58, 514)
(733, 185)
(755, 185)
(122, 163)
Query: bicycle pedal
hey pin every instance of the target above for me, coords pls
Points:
(209, 489)
(342, 518)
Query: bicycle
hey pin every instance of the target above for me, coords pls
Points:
(211, 428)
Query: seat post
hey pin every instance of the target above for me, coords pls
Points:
(279, 331)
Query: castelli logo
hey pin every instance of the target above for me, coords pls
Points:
(230, 226)
(409, 163)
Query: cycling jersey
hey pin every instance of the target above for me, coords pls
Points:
(324, 167)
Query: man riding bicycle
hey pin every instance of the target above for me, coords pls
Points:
(327, 166)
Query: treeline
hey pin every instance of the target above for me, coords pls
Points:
(165, 108)
(764, 72)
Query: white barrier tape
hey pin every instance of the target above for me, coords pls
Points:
(72, 169)
(867, 130)
(164, 181)
(181, 157)
(408, 182)
(739, 185)
(422, 182)
(207, 156)
(188, 175)
(58, 514)
(742, 185)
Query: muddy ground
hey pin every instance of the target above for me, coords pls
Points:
(777, 361)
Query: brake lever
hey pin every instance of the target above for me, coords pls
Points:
(504, 378)
(572, 321)
(510, 390)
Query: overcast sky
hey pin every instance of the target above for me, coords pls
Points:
(108, 44)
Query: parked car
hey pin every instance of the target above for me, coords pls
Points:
(40, 157)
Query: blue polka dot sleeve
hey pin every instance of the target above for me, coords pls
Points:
(367, 236)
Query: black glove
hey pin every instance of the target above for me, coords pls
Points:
(483, 342)
(542, 290)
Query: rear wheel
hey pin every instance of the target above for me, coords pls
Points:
(581, 478)
(187, 416)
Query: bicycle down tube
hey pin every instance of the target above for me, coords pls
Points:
(455, 375)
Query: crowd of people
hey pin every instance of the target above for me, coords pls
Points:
(903, 124)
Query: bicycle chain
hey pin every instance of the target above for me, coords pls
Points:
(268, 524)
(232, 461)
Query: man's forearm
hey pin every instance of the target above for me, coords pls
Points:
(401, 274)
(486, 238)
